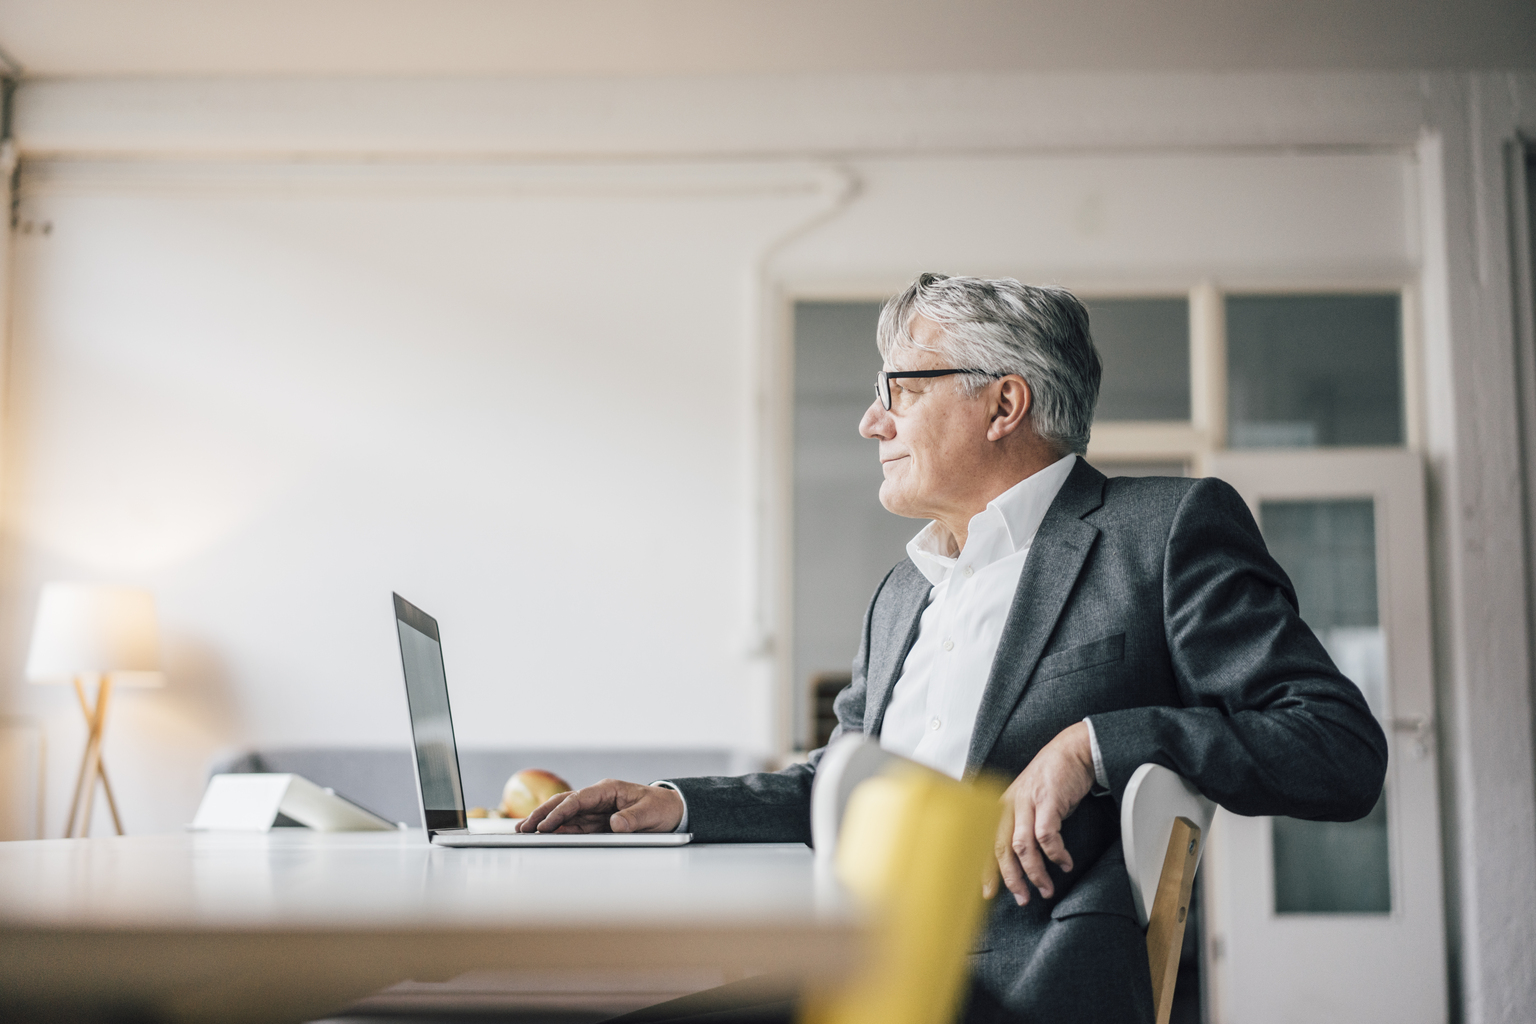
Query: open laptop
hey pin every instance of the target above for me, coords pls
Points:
(438, 787)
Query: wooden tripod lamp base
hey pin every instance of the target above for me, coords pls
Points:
(94, 633)
(92, 767)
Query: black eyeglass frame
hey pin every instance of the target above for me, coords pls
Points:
(883, 380)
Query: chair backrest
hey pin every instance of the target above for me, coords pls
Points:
(843, 765)
(1164, 822)
(1154, 797)
(915, 847)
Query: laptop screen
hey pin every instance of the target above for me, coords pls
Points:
(426, 691)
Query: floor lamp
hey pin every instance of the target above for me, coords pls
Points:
(90, 634)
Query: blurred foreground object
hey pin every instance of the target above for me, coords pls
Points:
(101, 634)
(916, 847)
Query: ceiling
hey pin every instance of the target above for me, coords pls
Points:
(679, 37)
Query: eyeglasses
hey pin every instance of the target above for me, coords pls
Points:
(883, 380)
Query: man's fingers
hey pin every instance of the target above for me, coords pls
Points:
(1012, 875)
(1034, 869)
(1001, 851)
(553, 817)
(1027, 849)
(540, 812)
(1048, 836)
(579, 802)
(582, 824)
(636, 813)
(990, 875)
(1016, 845)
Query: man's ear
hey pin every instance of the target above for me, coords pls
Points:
(1011, 403)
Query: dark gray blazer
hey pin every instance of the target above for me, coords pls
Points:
(1152, 606)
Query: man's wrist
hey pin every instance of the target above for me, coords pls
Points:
(682, 825)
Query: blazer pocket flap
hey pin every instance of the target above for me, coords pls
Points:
(1102, 651)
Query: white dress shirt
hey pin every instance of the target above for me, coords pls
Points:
(933, 707)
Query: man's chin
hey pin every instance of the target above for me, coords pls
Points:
(896, 502)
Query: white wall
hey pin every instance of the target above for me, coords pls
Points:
(274, 397)
(1149, 220)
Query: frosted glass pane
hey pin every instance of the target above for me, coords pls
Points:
(1144, 344)
(1328, 548)
(1313, 370)
(1332, 867)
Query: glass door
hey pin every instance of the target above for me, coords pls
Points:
(1324, 921)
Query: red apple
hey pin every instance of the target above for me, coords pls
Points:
(529, 788)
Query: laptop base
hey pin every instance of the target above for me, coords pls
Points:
(506, 840)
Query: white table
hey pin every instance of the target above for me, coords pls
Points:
(292, 924)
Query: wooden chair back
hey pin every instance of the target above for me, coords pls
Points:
(1163, 825)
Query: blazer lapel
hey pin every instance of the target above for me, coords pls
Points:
(891, 637)
(1056, 557)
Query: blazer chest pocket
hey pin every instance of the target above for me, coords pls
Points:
(1103, 651)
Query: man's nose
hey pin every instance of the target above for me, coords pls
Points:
(877, 423)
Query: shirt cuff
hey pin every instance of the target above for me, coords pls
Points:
(682, 826)
(1100, 776)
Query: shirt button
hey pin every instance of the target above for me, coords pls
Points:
(969, 572)
(934, 724)
(949, 645)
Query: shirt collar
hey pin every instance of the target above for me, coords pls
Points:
(1021, 509)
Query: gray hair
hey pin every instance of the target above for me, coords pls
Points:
(1003, 327)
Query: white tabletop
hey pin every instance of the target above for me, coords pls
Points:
(293, 923)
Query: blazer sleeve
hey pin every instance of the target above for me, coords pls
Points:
(774, 807)
(1269, 725)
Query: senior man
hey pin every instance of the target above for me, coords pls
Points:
(1059, 627)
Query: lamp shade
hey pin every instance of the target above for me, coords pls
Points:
(89, 629)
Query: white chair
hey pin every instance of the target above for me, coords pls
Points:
(1164, 822)
(846, 763)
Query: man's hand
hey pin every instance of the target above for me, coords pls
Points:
(609, 806)
(1046, 792)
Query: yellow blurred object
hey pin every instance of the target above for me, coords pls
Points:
(915, 846)
(475, 812)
